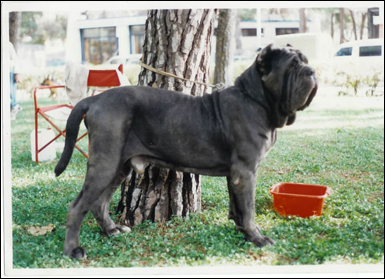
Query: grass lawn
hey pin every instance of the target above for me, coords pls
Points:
(337, 142)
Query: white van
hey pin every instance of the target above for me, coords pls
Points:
(362, 56)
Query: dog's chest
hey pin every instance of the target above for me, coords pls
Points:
(269, 143)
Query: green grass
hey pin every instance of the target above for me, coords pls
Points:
(338, 142)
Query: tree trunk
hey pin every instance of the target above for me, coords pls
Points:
(238, 34)
(363, 18)
(14, 22)
(225, 47)
(354, 25)
(373, 30)
(342, 25)
(302, 21)
(177, 42)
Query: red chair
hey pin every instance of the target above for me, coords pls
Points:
(96, 78)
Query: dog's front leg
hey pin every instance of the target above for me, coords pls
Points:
(241, 186)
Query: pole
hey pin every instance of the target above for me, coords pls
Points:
(259, 28)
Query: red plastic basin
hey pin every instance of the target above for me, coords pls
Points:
(298, 199)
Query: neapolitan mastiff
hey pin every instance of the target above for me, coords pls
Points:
(226, 133)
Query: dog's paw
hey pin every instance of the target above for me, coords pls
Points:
(78, 253)
(263, 241)
(269, 240)
(123, 229)
(118, 229)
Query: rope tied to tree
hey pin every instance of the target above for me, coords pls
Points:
(218, 86)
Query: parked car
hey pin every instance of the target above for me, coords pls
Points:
(362, 56)
(363, 48)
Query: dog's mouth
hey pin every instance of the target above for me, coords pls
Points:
(297, 98)
(311, 95)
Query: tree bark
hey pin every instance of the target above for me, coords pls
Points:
(342, 25)
(373, 30)
(14, 22)
(354, 25)
(363, 18)
(225, 46)
(177, 42)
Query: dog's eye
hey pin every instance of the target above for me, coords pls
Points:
(295, 64)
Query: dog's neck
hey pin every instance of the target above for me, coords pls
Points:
(250, 84)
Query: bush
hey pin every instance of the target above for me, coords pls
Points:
(373, 82)
(352, 81)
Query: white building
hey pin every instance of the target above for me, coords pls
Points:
(94, 41)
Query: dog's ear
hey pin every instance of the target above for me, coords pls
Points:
(303, 57)
(264, 59)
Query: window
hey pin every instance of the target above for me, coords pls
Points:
(98, 44)
(285, 31)
(371, 51)
(250, 32)
(137, 38)
(346, 51)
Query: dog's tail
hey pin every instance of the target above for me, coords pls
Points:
(72, 130)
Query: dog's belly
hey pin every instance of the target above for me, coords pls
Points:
(139, 164)
(193, 156)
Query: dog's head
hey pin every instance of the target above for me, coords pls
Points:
(48, 81)
(289, 81)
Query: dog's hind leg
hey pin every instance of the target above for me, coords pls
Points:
(98, 179)
(100, 208)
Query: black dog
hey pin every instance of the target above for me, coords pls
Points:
(225, 133)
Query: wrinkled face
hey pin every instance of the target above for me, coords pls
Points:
(288, 78)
